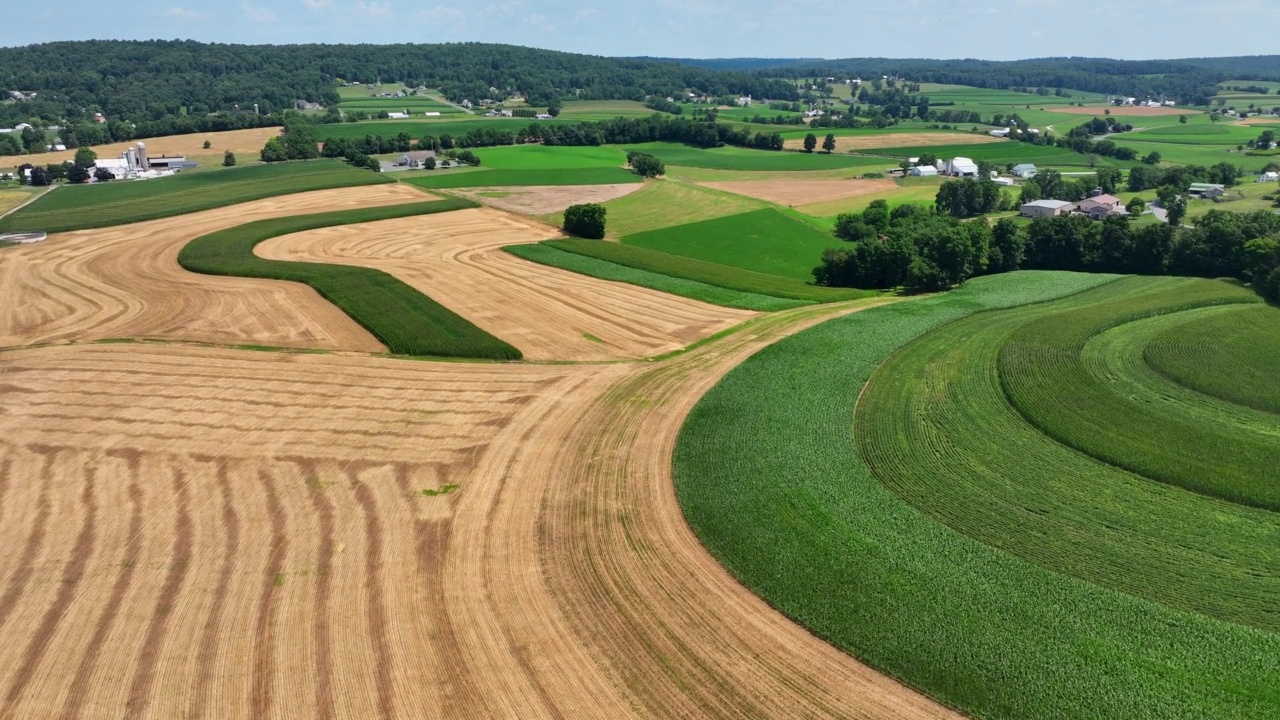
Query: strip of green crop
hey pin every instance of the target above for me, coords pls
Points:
(1046, 378)
(1234, 356)
(405, 320)
(498, 177)
(710, 273)
(123, 202)
(605, 270)
(771, 480)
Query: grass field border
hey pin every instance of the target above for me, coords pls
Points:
(402, 318)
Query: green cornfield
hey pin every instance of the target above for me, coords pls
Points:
(945, 539)
(1229, 356)
(401, 317)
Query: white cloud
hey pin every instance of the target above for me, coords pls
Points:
(376, 9)
(317, 4)
(184, 13)
(257, 14)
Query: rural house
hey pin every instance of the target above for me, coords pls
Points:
(414, 158)
(1024, 171)
(1045, 208)
(1269, 177)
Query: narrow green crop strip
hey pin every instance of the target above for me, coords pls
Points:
(605, 270)
(1233, 356)
(122, 202)
(1045, 377)
(403, 319)
(771, 480)
(709, 273)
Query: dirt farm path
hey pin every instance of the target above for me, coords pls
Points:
(208, 533)
(550, 314)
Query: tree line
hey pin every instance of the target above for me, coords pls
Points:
(157, 79)
(920, 250)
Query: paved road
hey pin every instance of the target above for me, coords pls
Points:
(1161, 214)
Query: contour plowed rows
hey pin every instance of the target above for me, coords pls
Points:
(125, 282)
(456, 259)
(208, 533)
(945, 438)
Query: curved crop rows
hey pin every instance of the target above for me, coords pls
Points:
(1046, 378)
(126, 282)
(1228, 356)
(406, 320)
(776, 486)
(551, 314)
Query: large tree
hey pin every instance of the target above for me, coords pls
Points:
(810, 142)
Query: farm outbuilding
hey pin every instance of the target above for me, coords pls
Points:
(1206, 190)
(1045, 208)
(923, 171)
(1025, 170)
(961, 167)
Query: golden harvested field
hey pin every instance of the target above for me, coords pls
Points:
(209, 533)
(845, 143)
(550, 314)
(125, 282)
(545, 199)
(804, 192)
(1128, 111)
(246, 142)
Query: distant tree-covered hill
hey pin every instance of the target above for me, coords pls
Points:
(150, 80)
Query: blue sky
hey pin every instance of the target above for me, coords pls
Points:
(1007, 29)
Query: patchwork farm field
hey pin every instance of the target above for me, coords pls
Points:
(108, 204)
(482, 177)
(1124, 595)
(730, 158)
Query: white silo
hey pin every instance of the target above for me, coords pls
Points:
(142, 157)
(131, 157)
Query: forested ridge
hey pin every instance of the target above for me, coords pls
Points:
(149, 80)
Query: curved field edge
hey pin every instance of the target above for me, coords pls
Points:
(709, 273)
(1045, 376)
(603, 269)
(770, 480)
(935, 428)
(402, 318)
(123, 202)
(1230, 356)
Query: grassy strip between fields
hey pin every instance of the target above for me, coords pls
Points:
(1230, 356)
(770, 478)
(123, 202)
(401, 317)
(701, 271)
(605, 270)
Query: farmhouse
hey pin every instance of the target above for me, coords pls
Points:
(1024, 171)
(1101, 207)
(961, 167)
(923, 171)
(1206, 190)
(1045, 208)
(1269, 177)
(414, 158)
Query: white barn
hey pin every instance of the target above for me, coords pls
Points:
(961, 167)
(923, 171)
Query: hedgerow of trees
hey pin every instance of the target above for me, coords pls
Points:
(585, 221)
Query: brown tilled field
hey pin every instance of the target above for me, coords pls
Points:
(803, 192)
(241, 142)
(1129, 111)
(545, 199)
(125, 282)
(846, 143)
(205, 533)
(550, 314)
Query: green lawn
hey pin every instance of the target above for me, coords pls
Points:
(994, 619)
(708, 273)
(764, 241)
(483, 177)
(80, 207)
(401, 317)
(665, 203)
(543, 157)
(585, 264)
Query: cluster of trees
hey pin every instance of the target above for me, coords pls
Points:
(1099, 126)
(1181, 177)
(1264, 140)
(585, 221)
(783, 106)
(1255, 89)
(79, 170)
(664, 105)
(828, 143)
(777, 119)
(646, 164)
(921, 251)
(153, 80)
(970, 198)
(298, 141)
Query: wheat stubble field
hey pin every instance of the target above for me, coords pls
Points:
(210, 532)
